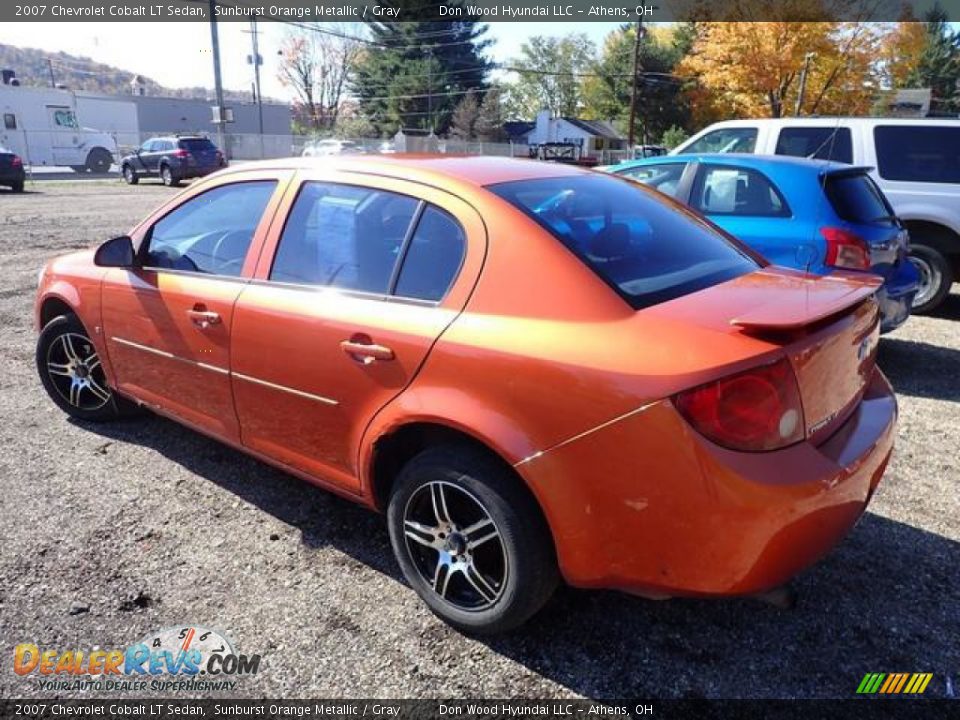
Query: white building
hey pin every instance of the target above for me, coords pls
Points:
(595, 137)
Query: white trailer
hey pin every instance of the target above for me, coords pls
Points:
(41, 125)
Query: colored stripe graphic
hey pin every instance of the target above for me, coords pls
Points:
(894, 683)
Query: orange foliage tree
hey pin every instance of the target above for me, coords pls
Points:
(753, 69)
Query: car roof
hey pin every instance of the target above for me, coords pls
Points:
(759, 162)
(468, 169)
(832, 120)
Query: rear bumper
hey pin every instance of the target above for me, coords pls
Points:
(647, 505)
(11, 177)
(896, 295)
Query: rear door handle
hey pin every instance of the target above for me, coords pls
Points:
(364, 350)
(203, 318)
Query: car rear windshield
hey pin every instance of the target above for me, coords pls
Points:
(648, 248)
(918, 153)
(856, 198)
(197, 144)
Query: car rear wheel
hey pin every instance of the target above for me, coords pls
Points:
(17, 187)
(936, 277)
(167, 177)
(130, 175)
(470, 540)
(71, 371)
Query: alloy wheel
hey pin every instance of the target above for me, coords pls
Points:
(455, 546)
(929, 280)
(74, 369)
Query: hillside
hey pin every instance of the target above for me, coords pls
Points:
(33, 68)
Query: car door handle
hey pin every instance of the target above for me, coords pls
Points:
(203, 318)
(365, 350)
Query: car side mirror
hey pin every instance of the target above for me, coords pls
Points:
(117, 252)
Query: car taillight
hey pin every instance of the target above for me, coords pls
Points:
(845, 249)
(16, 162)
(754, 411)
(181, 153)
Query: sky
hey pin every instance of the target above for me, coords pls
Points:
(177, 54)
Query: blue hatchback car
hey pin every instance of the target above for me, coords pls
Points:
(807, 214)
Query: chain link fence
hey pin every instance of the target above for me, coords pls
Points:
(91, 151)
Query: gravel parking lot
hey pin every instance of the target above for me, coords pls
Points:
(111, 532)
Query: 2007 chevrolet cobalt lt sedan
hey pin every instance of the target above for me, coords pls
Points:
(536, 371)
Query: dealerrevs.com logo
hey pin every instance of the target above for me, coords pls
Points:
(187, 657)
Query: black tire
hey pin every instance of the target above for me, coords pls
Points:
(130, 175)
(96, 401)
(936, 277)
(514, 545)
(99, 161)
(17, 187)
(79, 168)
(167, 177)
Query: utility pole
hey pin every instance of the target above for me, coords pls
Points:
(637, 70)
(257, 60)
(217, 80)
(53, 83)
(803, 83)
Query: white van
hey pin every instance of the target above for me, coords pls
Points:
(916, 162)
(40, 125)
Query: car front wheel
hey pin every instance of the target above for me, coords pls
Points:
(71, 371)
(130, 175)
(470, 540)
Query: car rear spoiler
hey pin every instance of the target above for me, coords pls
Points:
(825, 297)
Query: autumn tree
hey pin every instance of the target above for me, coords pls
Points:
(548, 76)
(463, 125)
(316, 63)
(753, 69)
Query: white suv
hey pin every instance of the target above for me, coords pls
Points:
(916, 162)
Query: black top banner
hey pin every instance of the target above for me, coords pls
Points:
(578, 11)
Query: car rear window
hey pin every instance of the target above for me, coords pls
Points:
(856, 198)
(918, 153)
(196, 144)
(648, 248)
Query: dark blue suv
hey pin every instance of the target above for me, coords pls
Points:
(172, 159)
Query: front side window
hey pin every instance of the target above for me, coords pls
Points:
(725, 140)
(820, 143)
(648, 248)
(665, 177)
(722, 190)
(210, 233)
(343, 236)
(918, 153)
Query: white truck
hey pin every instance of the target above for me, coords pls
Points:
(41, 126)
(916, 162)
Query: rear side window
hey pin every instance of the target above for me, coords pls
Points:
(665, 177)
(918, 153)
(820, 143)
(647, 248)
(343, 236)
(856, 198)
(725, 140)
(432, 258)
(723, 190)
(210, 232)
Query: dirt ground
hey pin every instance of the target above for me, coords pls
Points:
(111, 532)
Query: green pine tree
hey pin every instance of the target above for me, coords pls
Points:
(413, 74)
(939, 64)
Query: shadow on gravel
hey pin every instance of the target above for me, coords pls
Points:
(950, 309)
(885, 600)
(921, 369)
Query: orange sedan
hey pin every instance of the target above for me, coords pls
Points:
(536, 371)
